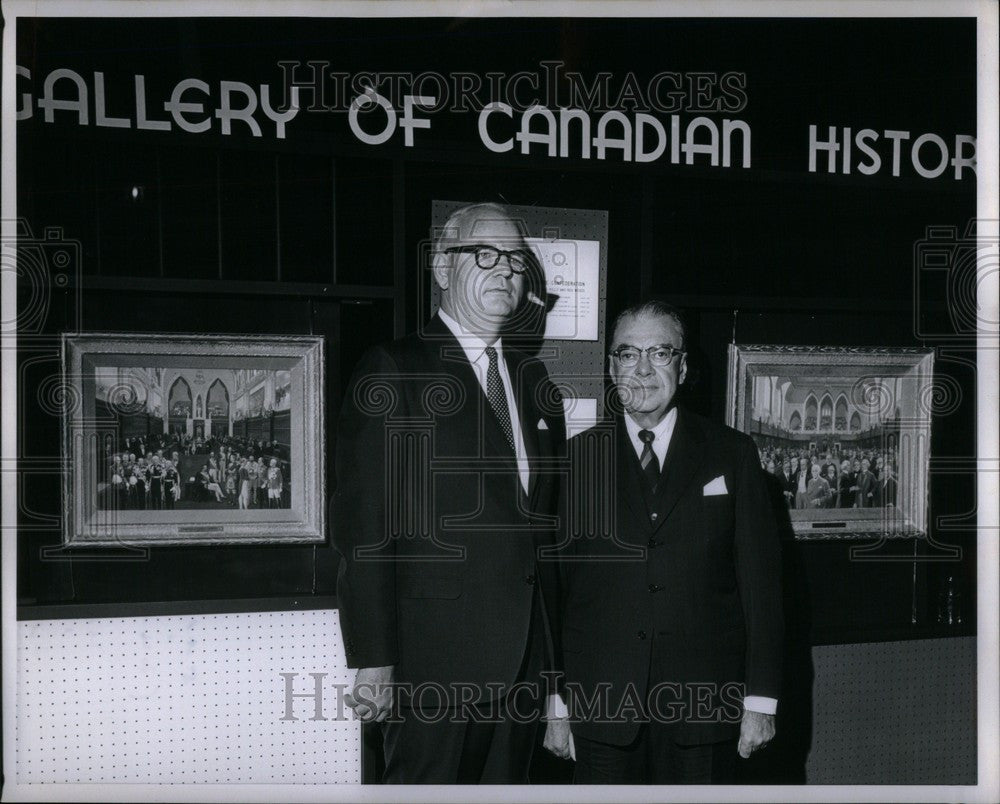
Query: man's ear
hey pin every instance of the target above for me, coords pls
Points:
(684, 371)
(441, 268)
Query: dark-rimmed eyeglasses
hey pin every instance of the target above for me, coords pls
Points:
(659, 355)
(487, 257)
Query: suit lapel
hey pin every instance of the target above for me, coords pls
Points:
(528, 416)
(630, 479)
(684, 457)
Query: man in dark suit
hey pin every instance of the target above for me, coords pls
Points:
(845, 496)
(672, 621)
(445, 493)
(864, 486)
(800, 483)
(786, 480)
(885, 488)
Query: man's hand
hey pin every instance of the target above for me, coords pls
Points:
(756, 731)
(559, 739)
(371, 698)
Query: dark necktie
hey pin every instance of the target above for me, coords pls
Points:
(497, 397)
(650, 465)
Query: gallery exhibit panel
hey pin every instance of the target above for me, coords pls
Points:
(186, 699)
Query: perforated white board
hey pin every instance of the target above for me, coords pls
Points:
(183, 699)
(894, 713)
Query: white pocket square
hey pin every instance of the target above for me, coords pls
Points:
(542, 425)
(716, 487)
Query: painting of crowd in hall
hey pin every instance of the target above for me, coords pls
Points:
(194, 438)
(831, 442)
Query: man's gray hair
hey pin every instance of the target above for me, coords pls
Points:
(654, 308)
(464, 221)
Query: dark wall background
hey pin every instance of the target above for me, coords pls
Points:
(319, 234)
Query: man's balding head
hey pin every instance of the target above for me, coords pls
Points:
(480, 299)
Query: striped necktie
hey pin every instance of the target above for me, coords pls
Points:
(497, 397)
(648, 461)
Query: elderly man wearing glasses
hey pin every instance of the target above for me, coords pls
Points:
(446, 491)
(672, 619)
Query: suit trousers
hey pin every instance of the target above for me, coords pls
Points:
(490, 743)
(654, 756)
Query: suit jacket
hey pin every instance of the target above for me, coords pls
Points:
(818, 489)
(788, 483)
(700, 573)
(170, 477)
(795, 481)
(846, 499)
(865, 481)
(436, 535)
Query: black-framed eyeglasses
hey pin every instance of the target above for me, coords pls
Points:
(487, 257)
(659, 355)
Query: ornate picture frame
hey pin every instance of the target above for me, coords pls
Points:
(192, 439)
(859, 418)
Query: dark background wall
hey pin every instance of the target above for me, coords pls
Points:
(316, 233)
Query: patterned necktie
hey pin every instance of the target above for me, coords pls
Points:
(497, 397)
(650, 465)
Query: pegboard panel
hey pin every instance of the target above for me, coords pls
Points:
(578, 367)
(183, 699)
(894, 713)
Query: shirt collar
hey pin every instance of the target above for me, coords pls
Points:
(662, 431)
(471, 344)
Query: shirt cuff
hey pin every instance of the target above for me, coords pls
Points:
(555, 707)
(759, 703)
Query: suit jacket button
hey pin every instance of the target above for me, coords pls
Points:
(654, 516)
(641, 635)
(530, 580)
(654, 588)
(652, 543)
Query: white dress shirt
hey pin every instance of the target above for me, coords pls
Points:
(475, 350)
(662, 434)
